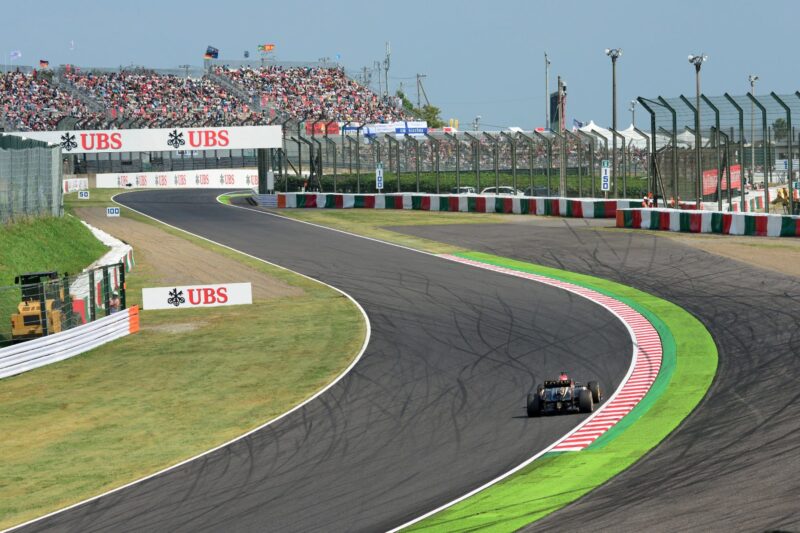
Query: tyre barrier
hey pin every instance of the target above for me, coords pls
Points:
(757, 224)
(521, 205)
(59, 346)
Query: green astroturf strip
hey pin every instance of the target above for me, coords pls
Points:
(556, 479)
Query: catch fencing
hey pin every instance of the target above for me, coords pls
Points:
(30, 178)
(38, 308)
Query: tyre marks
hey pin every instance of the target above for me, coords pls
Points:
(645, 364)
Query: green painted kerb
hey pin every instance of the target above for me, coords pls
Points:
(554, 480)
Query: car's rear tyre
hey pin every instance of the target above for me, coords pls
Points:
(585, 401)
(534, 405)
(597, 394)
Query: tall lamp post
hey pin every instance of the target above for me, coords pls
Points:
(614, 54)
(752, 78)
(546, 92)
(697, 61)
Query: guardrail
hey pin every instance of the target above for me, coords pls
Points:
(57, 347)
(757, 224)
(466, 203)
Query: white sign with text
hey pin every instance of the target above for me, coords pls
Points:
(186, 296)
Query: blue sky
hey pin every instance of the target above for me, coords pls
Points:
(481, 58)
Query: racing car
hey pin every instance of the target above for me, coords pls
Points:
(563, 395)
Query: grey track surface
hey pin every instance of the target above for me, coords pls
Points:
(435, 407)
(734, 464)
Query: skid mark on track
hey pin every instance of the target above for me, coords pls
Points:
(647, 355)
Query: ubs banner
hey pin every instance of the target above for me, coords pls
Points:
(161, 140)
(228, 178)
(197, 296)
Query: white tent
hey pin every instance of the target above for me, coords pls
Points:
(592, 127)
(633, 138)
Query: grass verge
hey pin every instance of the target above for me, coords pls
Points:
(554, 480)
(373, 222)
(187, 382)
(36, 245)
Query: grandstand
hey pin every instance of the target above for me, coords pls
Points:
(71, 98)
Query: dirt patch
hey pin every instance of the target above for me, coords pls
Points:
(772, 253)
(176, 261)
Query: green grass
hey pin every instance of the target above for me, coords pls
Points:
(41, 244)
(372, 223)
(554, 480)
(187, 382)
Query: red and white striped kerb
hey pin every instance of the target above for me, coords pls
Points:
(645, 364)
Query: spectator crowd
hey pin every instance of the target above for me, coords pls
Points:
(30, 102)
(145, 99)
(315, 93)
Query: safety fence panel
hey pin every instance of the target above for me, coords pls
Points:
(46, 350)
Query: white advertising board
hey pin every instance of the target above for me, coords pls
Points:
(75, 184)
(197, 296)
(218, 178)
(161, 139)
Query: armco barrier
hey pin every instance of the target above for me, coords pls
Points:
(523, 205)
(759, 224)
(43, 351)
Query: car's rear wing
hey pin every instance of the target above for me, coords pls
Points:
(557, 383)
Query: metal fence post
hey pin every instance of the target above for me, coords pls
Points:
(476, 154)
(590, 142)
(715, 109)
(91, 312)
(674, 135)
(789, 136)
(106, 291)
(512, 143)
(454, 138)
(435, 145)
(549, 142)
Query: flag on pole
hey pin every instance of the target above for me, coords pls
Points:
(269, 47)
(211, 53)
(15, 54)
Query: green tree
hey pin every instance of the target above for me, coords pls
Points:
(429, 113)
(781, 129)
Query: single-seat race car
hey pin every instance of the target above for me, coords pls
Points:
(563, 395)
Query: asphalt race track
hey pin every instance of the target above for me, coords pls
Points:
(433, 409)
(734, 464)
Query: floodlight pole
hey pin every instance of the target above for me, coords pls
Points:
(697, 61)
(614, 54)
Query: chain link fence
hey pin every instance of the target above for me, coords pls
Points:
(44, 303)
(30, 178)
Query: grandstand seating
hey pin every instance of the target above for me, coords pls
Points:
(87, 99)
(315, 93)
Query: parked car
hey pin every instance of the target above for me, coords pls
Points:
(505, 191)
(537, 191)
(462, 190)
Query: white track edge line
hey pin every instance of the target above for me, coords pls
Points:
(346, 371)
(445, 257)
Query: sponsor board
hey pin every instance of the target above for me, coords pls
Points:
(710, 180)
(75, 184)
(161, 139)
(227, 178)
(182, 297)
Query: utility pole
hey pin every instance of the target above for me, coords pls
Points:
(753, 79)
(614, 54)
(377, 66)
(386, 63)
(420, 90)
(562, 113)
(546, 92)
(697, 61)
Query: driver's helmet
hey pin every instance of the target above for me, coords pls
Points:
(563, 376)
